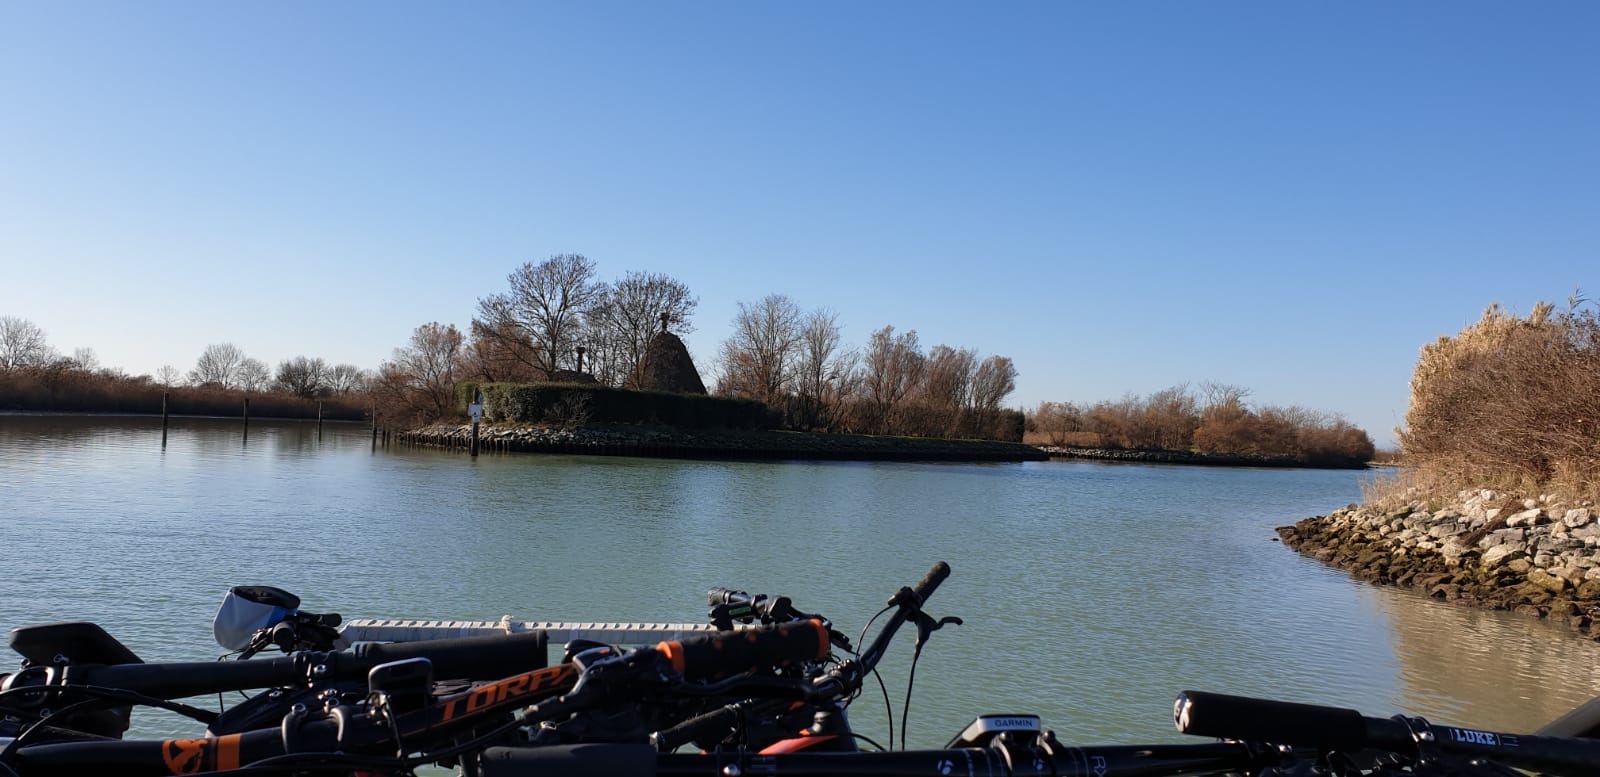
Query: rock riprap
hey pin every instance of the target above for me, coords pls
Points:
(1537, 556)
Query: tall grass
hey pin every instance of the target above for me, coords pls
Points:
(1509, 403)
(62, 390)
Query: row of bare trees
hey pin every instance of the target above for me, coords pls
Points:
(556, 321)
(225, 365)
(797, 361)
(24, 345)
(1217, 419)
(559, 321)
(34, 376)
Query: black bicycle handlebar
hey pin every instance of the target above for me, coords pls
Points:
(1238, 717)
(695, 658)
(908, 604)
(1333, 728)
(467, 657)
(741, 651)
(930, 581)
(629, 760)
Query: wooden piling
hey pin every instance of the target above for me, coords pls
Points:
(319, 420)
(247, 417)
(164, 419)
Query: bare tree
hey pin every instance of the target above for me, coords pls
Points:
(345, 378)
(253, 375)
(219, 365)
(303, 376)
(824, 373)
(1223, 394)
(1056, 421)
(758, 358)
(85, 359)
(632, 311)
(1170, 418)
(892, 368)
(947, 387)
(1227, 424)
(498, 353)
(420, 380)
(168, 375)
(995, 379)
(544, 307)
(23, 344)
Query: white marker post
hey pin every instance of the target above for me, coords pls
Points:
(476, 410)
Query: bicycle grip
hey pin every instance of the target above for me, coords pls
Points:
(930, 581)
(729, 653)
(1279, 722)
(719, 595)
(477, 658)
(714, 725)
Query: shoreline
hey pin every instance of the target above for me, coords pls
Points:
(1538, 557)
(1190, 458)
(131, 414)
(661, 442)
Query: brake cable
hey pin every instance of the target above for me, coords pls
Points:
(926, 625)
(99, 696)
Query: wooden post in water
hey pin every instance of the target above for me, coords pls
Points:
(164, 419)
(247, 418)
(319, 420)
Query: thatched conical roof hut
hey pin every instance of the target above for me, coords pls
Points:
(666, 366)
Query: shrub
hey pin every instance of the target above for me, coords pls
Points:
(1510, 402)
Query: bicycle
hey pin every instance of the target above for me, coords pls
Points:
(543, 722)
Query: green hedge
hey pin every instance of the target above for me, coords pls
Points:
(583, 403)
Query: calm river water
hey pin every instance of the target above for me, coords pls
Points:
(1092, 593)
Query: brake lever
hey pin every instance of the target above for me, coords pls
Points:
(926, 625)
(259, 641)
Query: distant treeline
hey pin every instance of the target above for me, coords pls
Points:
(1216, 420)
(64, 389)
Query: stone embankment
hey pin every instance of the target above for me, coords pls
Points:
(1539, 557)
(622, 440)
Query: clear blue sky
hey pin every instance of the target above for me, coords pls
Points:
(1290, 197)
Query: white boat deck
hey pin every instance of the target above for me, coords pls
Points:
(560, 632)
